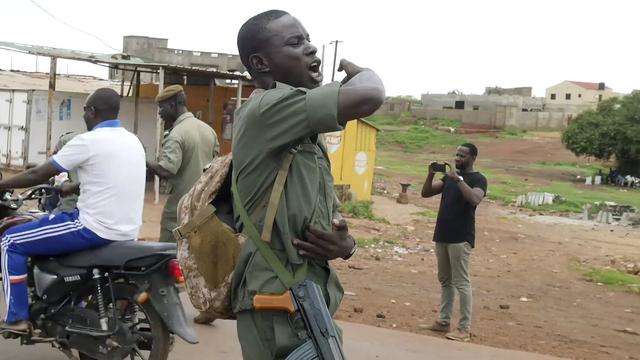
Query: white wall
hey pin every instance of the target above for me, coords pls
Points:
(146, 122)
(73, 121)
(13, 117)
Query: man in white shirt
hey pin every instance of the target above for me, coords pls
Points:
(110, 162)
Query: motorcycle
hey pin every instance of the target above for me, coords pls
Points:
(119, 301)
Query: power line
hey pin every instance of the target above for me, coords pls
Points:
(73, 27)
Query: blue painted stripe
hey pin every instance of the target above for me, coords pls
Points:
(58, 166)
(108, 123)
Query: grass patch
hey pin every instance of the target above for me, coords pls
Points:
(444, 122)
(506, 134)
(361, 210)
(614, 278)
(416, 138)
(505, 188)
(579, 195)
(510, 134)
(364, 243)
(562, 206)
(384, 119)
(401, 166)
(432, 214)
(570, 167)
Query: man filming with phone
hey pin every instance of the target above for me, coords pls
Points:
(462, 189)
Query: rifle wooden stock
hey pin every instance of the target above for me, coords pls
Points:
(282, 302)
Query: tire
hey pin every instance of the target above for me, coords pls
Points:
(158, 333)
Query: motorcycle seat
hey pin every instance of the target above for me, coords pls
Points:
(116, 254)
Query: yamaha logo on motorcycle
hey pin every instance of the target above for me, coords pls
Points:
(72, 278)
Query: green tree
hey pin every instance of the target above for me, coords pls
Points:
(612, 130)
(496, 90)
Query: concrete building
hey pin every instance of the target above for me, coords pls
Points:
(480, 102)
(504, 117)
(394, 107)
(513, 108)
(576, 96)
(526, 91)
(156, 50)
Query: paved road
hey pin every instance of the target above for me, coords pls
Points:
(219, 342)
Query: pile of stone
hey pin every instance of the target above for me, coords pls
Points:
(536, 199)
(380, 187)
(593, 180)
(612, 213)
(630, 219)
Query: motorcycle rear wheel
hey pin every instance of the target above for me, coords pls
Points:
(155, 334)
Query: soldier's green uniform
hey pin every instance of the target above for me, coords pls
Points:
(186, 150)
(69, 202)
(266, 127)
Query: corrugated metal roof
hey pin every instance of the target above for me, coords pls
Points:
(369, 123)
(113, 60)
(20, 80)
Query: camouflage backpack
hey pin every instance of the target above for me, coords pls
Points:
(208, 245)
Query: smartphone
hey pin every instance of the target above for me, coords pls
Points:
(437, 167)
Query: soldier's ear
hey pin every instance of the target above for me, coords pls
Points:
(259, 63)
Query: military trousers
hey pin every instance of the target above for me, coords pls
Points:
(270, 335)
(168, 222)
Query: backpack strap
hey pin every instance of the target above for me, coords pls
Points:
(285, 276)
(276, 195)
(200, 217)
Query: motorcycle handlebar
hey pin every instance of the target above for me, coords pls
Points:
(15, 202)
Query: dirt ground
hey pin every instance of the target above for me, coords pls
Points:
(516, 258)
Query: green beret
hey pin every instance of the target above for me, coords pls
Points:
(169, 92)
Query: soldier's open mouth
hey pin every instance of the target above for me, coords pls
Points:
(314, 70)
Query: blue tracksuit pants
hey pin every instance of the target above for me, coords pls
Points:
(57, 234)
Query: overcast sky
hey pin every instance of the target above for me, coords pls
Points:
(415, 46)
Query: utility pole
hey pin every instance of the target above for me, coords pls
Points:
(335, 56)
(322, 62)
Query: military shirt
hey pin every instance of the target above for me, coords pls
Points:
(69, 202)
(186, 150)
(266, 127)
